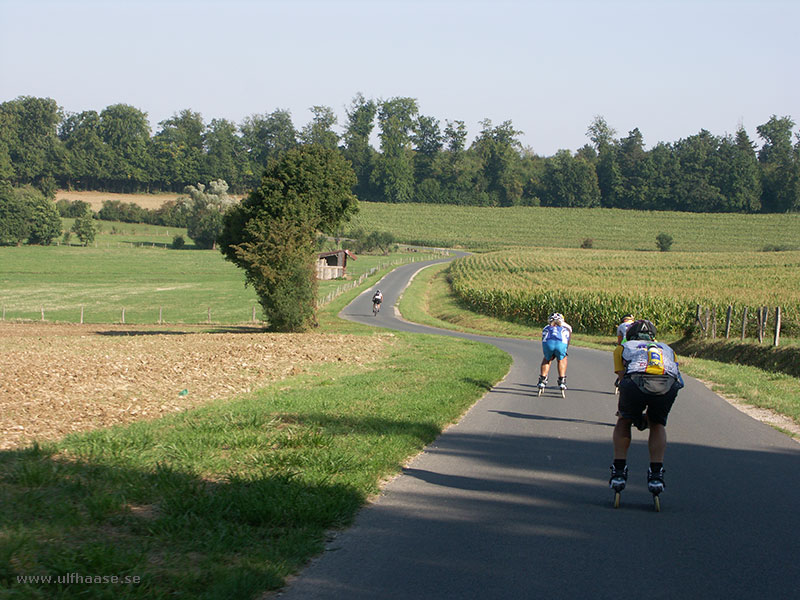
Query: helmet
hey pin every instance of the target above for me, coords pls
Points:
(555, 317)
(641, 330)
(628, 317)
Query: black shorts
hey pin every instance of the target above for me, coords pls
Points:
(633, 402)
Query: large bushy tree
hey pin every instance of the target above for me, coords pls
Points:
(271, 235)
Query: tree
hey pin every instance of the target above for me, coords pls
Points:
(88, 155)
(664, 241)
(780, 166)
(179, 147)
(14, 216)
(394, 173)
(266, 137)
(126, 132)
(320, 129)
(635, 170)
(498, 149)
(569, 181)
(357, 149)
(225, 157)
(696, 188)
(85, 228)
(271, 235)
(738, 175)
(44, 220)
(205, 210)
(30, 127)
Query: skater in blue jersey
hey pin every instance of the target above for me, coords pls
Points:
(555, 341)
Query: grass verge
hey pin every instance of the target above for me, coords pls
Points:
(227, 500)
(429, 300)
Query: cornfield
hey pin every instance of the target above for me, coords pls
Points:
(594, 288)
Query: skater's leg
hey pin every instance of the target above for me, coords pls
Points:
(561, 364)
(545, 367)
(622, 438)
(657, 442)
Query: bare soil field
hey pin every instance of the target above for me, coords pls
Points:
(56, 379)
(95, 199)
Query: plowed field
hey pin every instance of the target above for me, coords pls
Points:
(56, 379)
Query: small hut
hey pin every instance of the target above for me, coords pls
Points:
(332, 265)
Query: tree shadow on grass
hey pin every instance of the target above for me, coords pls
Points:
(170, 533)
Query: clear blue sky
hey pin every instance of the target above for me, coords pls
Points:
(668, 67)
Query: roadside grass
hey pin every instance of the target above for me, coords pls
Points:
(430, 301)
(192, 286)
(228, 500)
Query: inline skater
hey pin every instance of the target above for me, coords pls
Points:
(555, 342)
(650, 381)
(377, 298)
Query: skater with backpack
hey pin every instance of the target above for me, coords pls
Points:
(555, 342)
(650, 382)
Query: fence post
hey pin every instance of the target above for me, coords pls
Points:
(208, 318)
(777, 326)
(254, 313)
(708, 317)
(713, 322)
(160, 311)
(81, 314)
(123, 315)
(764, 321)
(43, 313)
(728, 318)
(744, 322)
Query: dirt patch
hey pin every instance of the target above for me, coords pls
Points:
(56, 379)
(95, 199)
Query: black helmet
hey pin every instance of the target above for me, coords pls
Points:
(641, 330)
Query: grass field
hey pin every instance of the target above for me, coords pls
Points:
(482, 229)
(132, 270)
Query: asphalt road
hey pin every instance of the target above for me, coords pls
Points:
(513, 501)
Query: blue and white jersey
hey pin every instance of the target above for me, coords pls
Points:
(657, 359)
(559, 333)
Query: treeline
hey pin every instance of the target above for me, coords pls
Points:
(419, 158)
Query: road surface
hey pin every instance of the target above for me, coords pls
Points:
(513, 501)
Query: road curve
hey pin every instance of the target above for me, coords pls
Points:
(513, 501)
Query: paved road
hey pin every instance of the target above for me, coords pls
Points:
(513, 502)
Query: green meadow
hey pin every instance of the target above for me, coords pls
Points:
(137, 271)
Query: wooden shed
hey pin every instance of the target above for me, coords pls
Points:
(331, 265)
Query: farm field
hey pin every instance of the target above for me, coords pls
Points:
(593, 288)
(60, 379)
(95, 199)
(483, 229)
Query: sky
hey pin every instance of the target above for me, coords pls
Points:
(668, 67)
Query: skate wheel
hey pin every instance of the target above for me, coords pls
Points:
(616, 499)
(540, 391)
(657, 503)
(563, 393)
